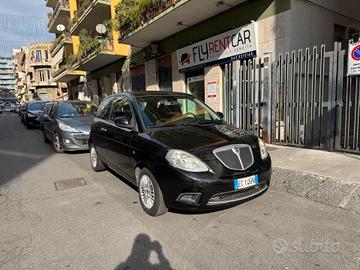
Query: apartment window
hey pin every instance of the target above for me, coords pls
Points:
(38, 56)
(46, 55)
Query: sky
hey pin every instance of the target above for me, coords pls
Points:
(22, 22)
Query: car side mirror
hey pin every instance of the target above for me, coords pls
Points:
(122, 121)
(220, 114)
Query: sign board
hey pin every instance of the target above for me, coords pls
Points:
(354, 59)
(236, 44)
(211, 89)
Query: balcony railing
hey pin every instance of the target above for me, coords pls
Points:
(84, 5)
(61, 40)
(63, 4)
(133, 20)
(90, 46)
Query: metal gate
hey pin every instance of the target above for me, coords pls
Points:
(302, 98)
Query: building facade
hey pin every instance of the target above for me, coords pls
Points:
(88, 56)
(183, 45)
(7, 79)
(33, 73)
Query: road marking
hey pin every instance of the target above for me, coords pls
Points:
(19, 154)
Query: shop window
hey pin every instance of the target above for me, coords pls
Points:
(138, 78)
(165, 73)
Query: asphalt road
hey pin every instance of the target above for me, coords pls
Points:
(102, 226)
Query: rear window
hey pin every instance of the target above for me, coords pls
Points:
(36, 106)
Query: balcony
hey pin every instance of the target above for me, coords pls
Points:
(63, 40)
(89, 15)
(166, 18)
(43, 63)
(51, 3)
(60, 15)
(67, 74)
(97, 52)
(44, 84)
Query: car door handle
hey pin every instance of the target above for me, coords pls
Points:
(104, 129)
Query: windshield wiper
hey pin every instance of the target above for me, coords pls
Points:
(202, 122)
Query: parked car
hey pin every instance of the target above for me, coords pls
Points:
(67, 125)
(178, 152)
(17, 108)
(31, 113)
(46, 110)
(21, 110)
(7, 107)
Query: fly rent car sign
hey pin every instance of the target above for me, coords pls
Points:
(354, 59)
(236, 44)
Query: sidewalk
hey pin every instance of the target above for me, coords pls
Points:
(326, 177)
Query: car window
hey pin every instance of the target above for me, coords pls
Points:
(67, 109)
(104, 108)
(158, 111)
(52, 111)
(121, 107)
(36, 106)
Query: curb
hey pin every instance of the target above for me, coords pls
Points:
(317, 188)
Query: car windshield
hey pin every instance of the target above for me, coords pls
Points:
(67, 109)
(162, 111)
(36, 106)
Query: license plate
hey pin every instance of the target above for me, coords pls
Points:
(246, 182)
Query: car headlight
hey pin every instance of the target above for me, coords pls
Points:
(185, 161)
(263, 152)
(67, 128)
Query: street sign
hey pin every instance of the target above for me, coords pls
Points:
(354, 59)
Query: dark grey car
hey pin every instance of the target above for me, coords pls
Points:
(67, 125)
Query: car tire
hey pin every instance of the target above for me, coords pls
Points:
(56, 144)
(96, 164)
(150, 195)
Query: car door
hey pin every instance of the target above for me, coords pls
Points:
(120, 138)
(99, 136)
(49, 122)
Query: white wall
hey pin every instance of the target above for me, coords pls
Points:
(312, 24)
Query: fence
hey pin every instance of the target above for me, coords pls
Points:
(302, 98)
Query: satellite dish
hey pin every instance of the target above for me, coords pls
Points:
(101, 29)
(60, 28)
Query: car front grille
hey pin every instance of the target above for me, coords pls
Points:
(82, 139)
(235, 196)
(235, 157)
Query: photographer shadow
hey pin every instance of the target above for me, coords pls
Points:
(140, 255)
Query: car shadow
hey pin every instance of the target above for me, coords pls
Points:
(140, 255)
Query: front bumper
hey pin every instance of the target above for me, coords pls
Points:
(74, 141)
(215, 192)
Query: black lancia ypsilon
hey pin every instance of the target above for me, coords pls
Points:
(178, 152)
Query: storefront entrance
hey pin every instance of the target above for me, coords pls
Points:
(196, 87)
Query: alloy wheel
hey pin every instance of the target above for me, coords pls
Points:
(93, 157)
(147, 191)
(57, 145)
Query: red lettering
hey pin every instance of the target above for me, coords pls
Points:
(216, 42)
(222, 44)
(211, 47)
